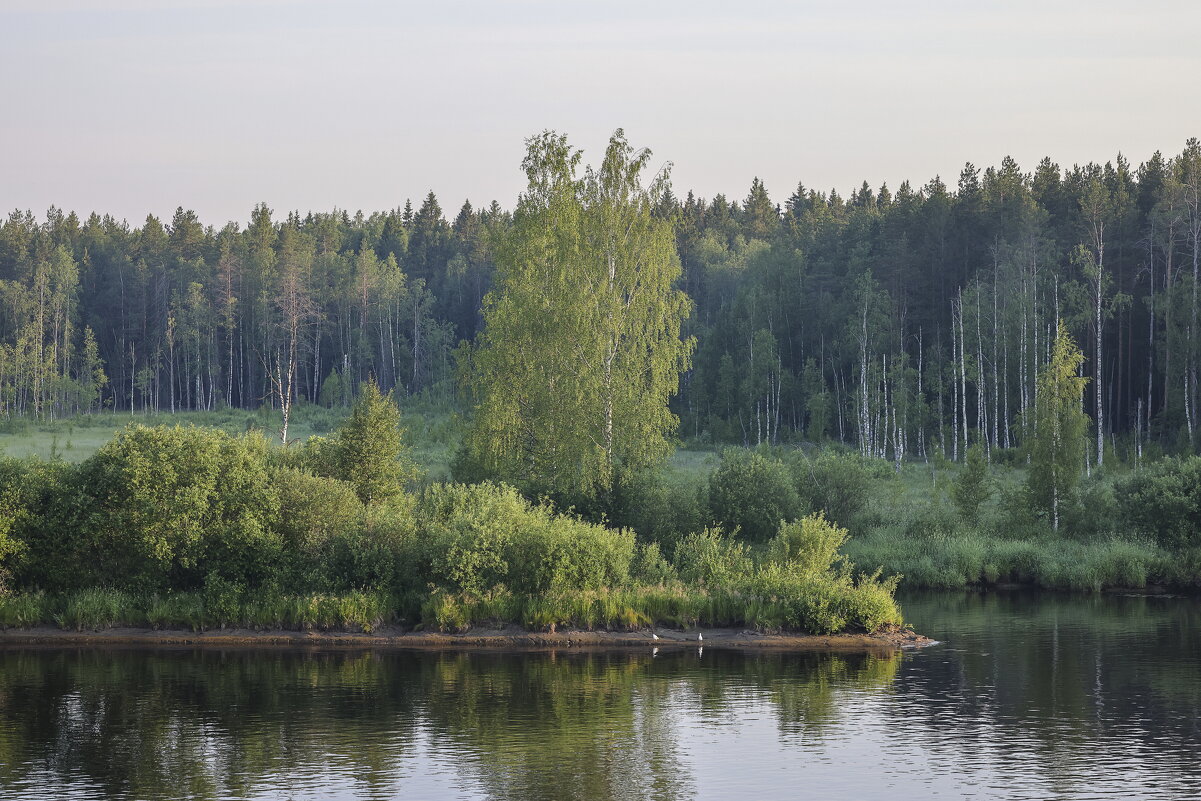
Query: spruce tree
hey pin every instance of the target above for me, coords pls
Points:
(369, 451)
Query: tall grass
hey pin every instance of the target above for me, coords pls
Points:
(773, 602)
(101, 608)
(969, 558)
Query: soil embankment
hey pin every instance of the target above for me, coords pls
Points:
(511, 638)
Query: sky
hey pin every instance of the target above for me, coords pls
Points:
(131, 107)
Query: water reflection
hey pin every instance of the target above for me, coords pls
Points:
(1051, 696)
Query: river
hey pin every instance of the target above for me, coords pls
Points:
(1026, 696)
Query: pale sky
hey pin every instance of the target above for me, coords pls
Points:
(132, 107)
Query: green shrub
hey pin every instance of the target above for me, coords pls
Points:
(1164, 501)
(752, 493)
(157, 507)
(835, 483)
(811, 544)
(477, 538)
(930, 520)
(222, 600)
(972, 487)
(659, 509)
(26, 609)
(314, 510)
(827, 603)
(176, 610)
(712, 558)
(34, 496)
(1093, 511)
(649, 567)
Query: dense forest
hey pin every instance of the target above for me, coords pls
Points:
(899, 321)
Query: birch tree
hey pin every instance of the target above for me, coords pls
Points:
(581, 347)
(1059, 428)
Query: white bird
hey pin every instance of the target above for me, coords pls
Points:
(654, 636)
(699, 636)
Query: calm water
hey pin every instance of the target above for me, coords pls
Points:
(1027, 697)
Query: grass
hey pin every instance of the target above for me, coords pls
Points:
(863, 607)
(433, 433)
(431, 430)
(101, 608)
(820, 606)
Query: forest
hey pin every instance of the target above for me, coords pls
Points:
(975, 386)
(898, 321)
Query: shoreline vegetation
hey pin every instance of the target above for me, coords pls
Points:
(692, 547)
(201, 529)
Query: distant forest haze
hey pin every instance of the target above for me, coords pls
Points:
(902, 320)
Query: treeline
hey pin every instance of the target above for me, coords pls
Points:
(96, 314)
(903, 322)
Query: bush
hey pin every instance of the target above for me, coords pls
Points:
(33, 494)
(314, 509)
(658, 509)
(827, 603)
(811, 544)
(1164, 501)
(314, 513)
(159, 507)
(930, 520)
(368, 451)
(711, 558)
(480, 537)
(97, 608)
(835, 483)
(971, 487)
(649, 567)
(181, 609)
(24, 610)
(752, 493)
(1093, 512)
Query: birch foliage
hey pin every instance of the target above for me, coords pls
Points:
(581, 349)
(1059, 428)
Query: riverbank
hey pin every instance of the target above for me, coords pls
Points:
(509, 638)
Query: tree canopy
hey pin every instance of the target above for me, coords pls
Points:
(581, 350)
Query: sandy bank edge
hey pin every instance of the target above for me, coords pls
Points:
(512, 638)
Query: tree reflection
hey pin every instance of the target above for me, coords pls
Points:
(229, 724)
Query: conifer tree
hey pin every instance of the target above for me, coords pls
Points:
(369, 451)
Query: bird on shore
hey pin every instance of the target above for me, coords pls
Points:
(654, 636)
(700, 636)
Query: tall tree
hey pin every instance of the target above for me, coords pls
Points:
(581, 348)
(1059, 428)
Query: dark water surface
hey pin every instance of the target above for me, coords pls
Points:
(1028, 696)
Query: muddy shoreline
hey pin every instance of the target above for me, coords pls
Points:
(511, 638)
